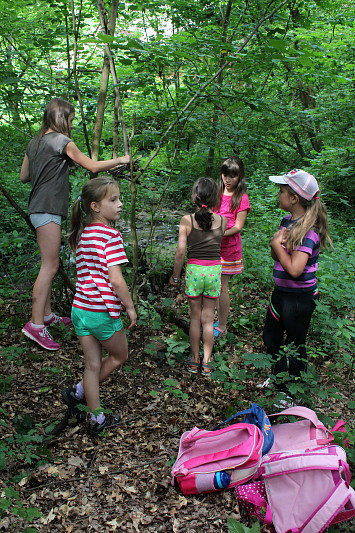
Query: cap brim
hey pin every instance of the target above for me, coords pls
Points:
(277, 179)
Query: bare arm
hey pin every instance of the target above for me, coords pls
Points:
(120, 287)
(239, 224)
(94, 166)
(295, 263)
(224, 224)
(184, 230)
(25, 171)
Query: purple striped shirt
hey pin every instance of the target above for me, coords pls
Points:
(307, 281)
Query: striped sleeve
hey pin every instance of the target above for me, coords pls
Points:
(114, 251)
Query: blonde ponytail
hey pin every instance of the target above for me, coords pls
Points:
(315, 218)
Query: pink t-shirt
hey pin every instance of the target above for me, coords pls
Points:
(99, 247)
(231, 247)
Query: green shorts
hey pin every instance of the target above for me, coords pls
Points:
(101, 325)
(203, 279)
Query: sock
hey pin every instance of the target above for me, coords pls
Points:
(37, 326)
(99, 418)
(79, 391)
(48, 317)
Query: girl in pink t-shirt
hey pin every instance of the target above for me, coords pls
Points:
(234, 205)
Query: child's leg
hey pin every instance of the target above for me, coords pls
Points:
(274, 331)
(298, 311)
(93, 355)
(117, 349)
(195, 327)
(48, 238)
(223, 304)
(97, 368)
(207, 315)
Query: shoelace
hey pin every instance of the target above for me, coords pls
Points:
(45, 333)
(56, 320)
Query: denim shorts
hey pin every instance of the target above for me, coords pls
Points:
(42, 219)
(101, 325)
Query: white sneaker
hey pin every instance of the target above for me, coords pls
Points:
(264, 385)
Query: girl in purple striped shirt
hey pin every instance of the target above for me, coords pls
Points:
(295, 250)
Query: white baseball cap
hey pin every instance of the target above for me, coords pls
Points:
(300, 181)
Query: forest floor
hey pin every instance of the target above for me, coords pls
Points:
(121, 481)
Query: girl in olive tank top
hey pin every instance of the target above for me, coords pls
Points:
(202, 234)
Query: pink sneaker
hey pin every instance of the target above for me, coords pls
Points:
(41, 336)
(57, 320)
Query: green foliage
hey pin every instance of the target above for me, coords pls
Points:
(177, 345)
(237, 527)
(23, 446)
(10, 502)
(173, 387)
(148, 316)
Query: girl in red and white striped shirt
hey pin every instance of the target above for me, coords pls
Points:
(100, 289)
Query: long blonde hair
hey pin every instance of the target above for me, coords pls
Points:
(315, 218)
(93, 191)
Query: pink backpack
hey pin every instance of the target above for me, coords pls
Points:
(234, 450)
(306, 491)
(303, 434)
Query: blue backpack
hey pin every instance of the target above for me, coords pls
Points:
(256, 416)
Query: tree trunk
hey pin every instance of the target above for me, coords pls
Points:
(107, 29)
(210, 158)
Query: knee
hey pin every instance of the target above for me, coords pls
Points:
(93, 367)
(119, 359)
(51, 268)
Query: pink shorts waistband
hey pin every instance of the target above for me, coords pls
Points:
(203, 262)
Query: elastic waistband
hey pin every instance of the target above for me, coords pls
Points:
(203, 262)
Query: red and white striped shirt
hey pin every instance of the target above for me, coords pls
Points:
(99, 248)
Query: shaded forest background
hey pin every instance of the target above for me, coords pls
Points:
(181, 85)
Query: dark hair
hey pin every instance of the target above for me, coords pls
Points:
(93, 191)
(56, 117)
(234, 167)
(315, 217)
(204, 196)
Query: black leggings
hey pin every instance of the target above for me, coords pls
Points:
(290, 312)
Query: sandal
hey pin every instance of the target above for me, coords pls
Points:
(192, 366)
(207, 369)
(218, 332)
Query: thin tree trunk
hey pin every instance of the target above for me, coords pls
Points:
(108, 28)
(76, 35)
(210, 158)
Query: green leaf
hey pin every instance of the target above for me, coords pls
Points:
(277, 44)
(170, 382)
(167, 302)
(105, 38)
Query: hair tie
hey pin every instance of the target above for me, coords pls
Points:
(204, 205)
(316, 198)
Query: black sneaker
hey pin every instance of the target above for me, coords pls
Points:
(68, 395)
(94, 428)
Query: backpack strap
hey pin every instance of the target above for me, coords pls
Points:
(327, 510)
(259, 503)
(308, 414)
(245, 412)
(307, 461)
